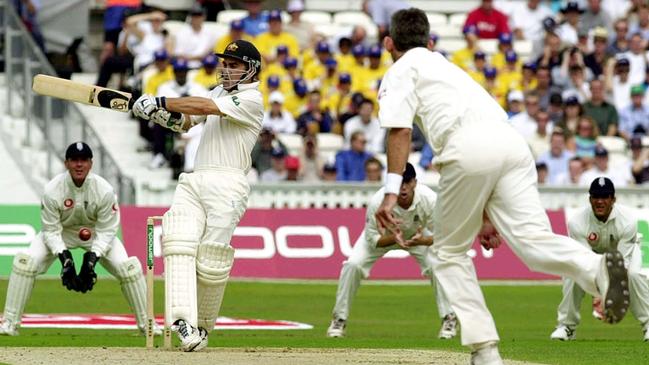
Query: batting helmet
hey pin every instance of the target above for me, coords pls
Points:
(245, 52)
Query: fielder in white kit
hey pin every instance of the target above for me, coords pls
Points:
(415, 209)
(78, 209)
(209, 202)
(485, 167)
(602, 226)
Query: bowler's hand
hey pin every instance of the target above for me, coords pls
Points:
(386, 220)
(488, 236)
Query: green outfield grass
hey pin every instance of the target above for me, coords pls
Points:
(383, 316)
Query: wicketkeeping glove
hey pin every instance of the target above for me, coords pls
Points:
(87, 275)
(69, 277)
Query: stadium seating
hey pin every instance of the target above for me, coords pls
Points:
(613, 144)
(173, 26)
(227, 16)
(356, 18)
(293, 142)
(436, 19)
(457, 19)
(329, 144)
(446, 31)
(333, 5)
(171, 4)
(316, 17)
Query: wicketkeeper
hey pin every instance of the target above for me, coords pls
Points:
(209, 202)
(78, 209)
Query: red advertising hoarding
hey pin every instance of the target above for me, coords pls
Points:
(313, 243)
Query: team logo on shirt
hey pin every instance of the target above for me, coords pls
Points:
(592, 238)
(115, 208)
(68, 203)
(235, 100)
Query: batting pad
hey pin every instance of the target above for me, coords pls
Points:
(133, 286)
(179, 241)
(20, 287)
(213, 264)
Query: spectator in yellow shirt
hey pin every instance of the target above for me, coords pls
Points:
(376, 69)
(338, 102)
(277, 67)
(315, 71)
(528, 81)
(296, 98)
(272, 84)
(267, 42)
(162, 73)
(510, 75)
(236, 33)
(493, 85)
(292, 73)
(329, 83)
(359, 81)
(344, 57)
(206, 76)
(464, 57)
(504, 45)
(477, 70)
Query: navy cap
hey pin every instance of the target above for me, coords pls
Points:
(479, 55)
(236, 25)
(160, 55)
(210, 61)
(331, 63)
(572, 100)
(531, 65)
(434, 37)
(511, 56)
(282, 49)
(299, 86)
(329, 167)
(275, 15)
(601, 187)
(549, 24)
(197, 9)
(505, 38)
(622, 62)
(180, 65)
(290, 62)
(490, 72)
(322, 47)
(470, 29)
(273, 81)
(572, 6)
(374, 51)
(409, 173)
(78, 150)
(358, 50)
(278, 152)
(345, 78)
(600, 151)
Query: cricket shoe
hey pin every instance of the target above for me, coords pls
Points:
(203, 344)
(8, 329)
(449, 327)
(189, 335)
(487, 355)
(337, 328)
(563, 333)
(613, 284)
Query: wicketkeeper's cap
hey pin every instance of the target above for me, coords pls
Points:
(601, 187)
(78, 150)
(409, 173)
(243, 51)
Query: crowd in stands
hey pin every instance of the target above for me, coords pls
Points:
(579, 98)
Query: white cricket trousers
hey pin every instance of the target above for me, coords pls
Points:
(488, 166)
(568, 312)
(358, 267)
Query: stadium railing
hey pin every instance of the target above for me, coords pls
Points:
(44, 127)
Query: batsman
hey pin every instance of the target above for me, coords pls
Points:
(209, 202)
(78, 209)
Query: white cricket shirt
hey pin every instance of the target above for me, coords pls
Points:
(419, 214)
(65, 206)
(424, 87)
(619, 228)
(227, 141)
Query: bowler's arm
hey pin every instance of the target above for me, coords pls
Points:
(398, 148)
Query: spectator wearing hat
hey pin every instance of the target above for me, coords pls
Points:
(488, 21)
(369, 125)
(603, 112)
(576, 168)
(476, 71)
(572, 111)
(637, 58)
(350, 163)
(315, 119)
(267, 42)
(277, 67)
(464, 57)
(290, 75)
(594, 16)
(620, 43)
(295, 100)
(206, 76)
(277, 118)
(515, 100)
(344, 56)
(341, 104)
(157, 73)
(256, 22)
(272, 84)
(618, 84)
(524, 122)
(292, 166)
(639, 161)
(634, 118)
(552, 55)
(528, 76)
(261, 153)
(304, 32)
(329, 172)
(493, 85)
(236, 33)
(328, 82)
(505, 44)
(539, 142)
(557, 157)
(568, 31)
(375, 69)
(316, 69)
(527, 20)
(193, 42)
(620, 175)
(510, 74)
(596, 60)
(277, 171)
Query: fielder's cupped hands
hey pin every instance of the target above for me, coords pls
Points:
(417, 239)
(386, 221)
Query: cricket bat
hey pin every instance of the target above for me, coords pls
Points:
(82, 93)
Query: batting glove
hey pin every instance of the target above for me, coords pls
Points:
(87, 275)
(146, 105)
(167, 119)
(69, 277)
